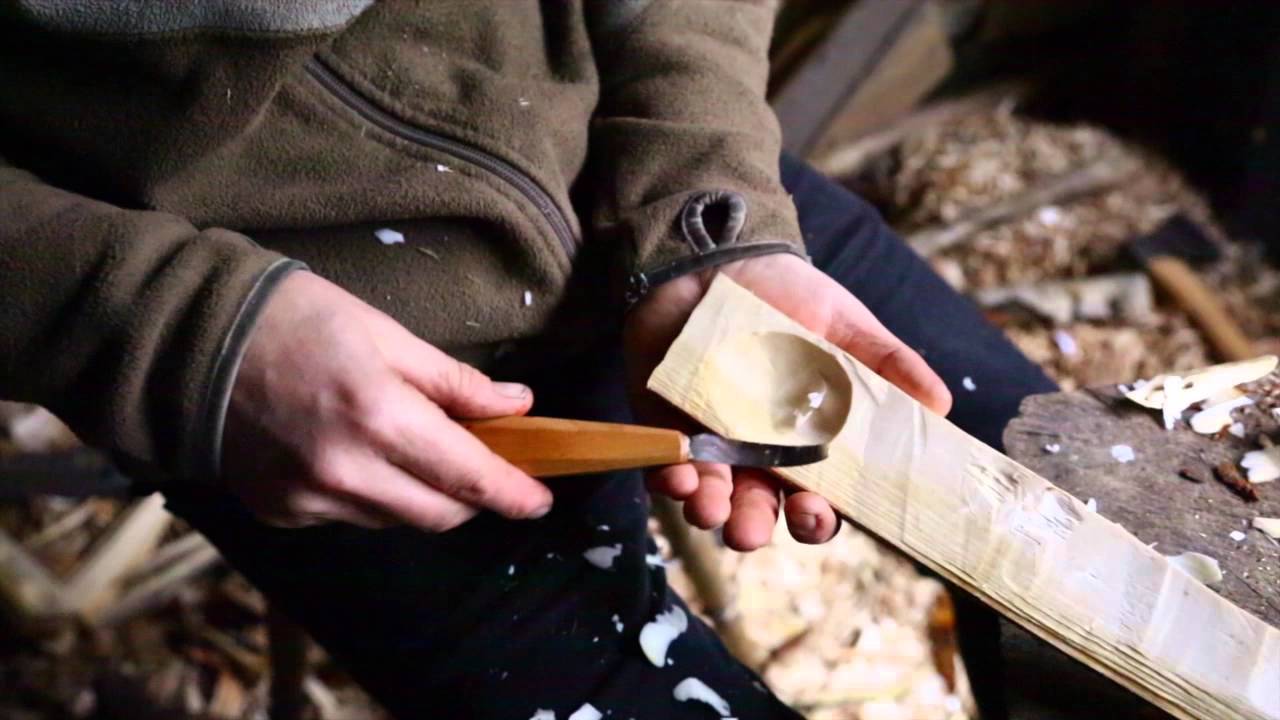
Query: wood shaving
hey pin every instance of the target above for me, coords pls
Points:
(691, 688)
(586, 712)
(603, 556)
(1268, 525)
(1201, 567)
(1123, 453)
(657, 635)
(1263, 466)
(387, 236)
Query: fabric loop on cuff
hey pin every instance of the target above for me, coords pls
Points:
(711, 222)
(726, 210)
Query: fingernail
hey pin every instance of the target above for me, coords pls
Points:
(515, 391)
(540, 512)
(806, 522)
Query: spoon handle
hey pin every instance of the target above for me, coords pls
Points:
(547, 447)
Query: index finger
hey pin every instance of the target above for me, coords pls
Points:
(443, 454)
(856, 331)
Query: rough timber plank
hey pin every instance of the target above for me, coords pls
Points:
(1030, 550)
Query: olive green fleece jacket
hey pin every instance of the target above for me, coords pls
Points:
(164, 164)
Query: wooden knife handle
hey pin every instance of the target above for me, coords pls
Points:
(546, 447)
(1189, 292)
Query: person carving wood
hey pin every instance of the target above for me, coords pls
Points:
(268, 254)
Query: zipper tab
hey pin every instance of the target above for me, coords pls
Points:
(494, 165)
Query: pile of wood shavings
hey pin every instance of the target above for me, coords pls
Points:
(950, 170)
(202, 654)
(844, 624)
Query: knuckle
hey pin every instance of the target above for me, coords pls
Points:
(298, 505)
(338, 482)
(364, 406)
(467, 380)
(468, 487)
(330, 473)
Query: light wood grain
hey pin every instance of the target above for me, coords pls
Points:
(1025, 547)
(547, 447)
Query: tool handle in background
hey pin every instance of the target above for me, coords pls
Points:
(547, 447)
(1190, 293)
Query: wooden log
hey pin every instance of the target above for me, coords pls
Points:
(1028, 549)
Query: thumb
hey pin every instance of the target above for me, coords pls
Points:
(463, 391)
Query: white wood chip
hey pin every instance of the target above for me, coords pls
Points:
(1268, 525)
(1201, 567)
(691, 688)
(1262, 466)
(1066, 343)
(603, 556)
(544, 715)
(1202, 384)
(1123, 453)
(387, 236)
(1236, 535)
(656, 636)
(586, 712)
(968, 384)
(1215, 417)
(441, 168)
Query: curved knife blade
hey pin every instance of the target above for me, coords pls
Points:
(708, 447)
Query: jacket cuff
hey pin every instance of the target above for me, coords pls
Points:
(709, 234)
(204, 459)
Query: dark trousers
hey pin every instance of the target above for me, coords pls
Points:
(497, 619)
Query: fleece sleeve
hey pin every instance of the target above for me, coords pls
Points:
(127, 324)
(685, 147)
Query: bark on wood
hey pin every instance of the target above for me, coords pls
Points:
(1026, 548)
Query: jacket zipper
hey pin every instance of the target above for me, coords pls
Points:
(492, 164)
